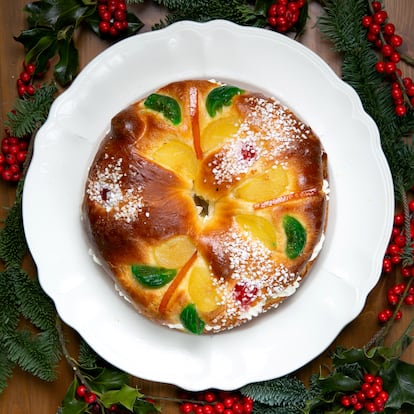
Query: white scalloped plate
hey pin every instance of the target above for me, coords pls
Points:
(360, 214)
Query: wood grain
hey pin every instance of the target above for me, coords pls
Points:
(26, 394)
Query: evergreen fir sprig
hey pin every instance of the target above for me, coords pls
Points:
(341, 23)
(285, 393)
(237, 11)
(31, 112)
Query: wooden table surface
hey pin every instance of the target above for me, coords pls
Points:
(26, 394)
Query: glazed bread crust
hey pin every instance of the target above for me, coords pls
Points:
(207, 207)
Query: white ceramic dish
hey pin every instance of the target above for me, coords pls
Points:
(360, 215)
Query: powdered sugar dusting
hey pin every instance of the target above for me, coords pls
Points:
(254, 268)
(268, 130)
(107, 190)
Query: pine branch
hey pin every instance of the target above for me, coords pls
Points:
(33, 303)
(237, 11)
(31, 112)
(285, 392)
(259, 408)
(12, 239)
(87, 356)
(341, 24)
(37, 354)
(6, 368)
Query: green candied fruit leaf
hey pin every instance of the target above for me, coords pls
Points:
(219, 97)
(152, 276)
(191, 321)
(296, 237)
(168, 106)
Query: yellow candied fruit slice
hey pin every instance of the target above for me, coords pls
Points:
(259, 227)
(174, 252)
(178, 157)
(266, 186)
(201, 289)
(218, 131)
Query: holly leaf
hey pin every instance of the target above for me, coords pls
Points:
(56, 13)
(70, 404)
(262, 6)
(145, 407)
(106, 379)
(339, 382)
(134, 24)
(399, 383)
(125, 396)
(67, 67)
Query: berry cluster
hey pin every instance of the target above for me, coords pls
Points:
(382, 34)
(395, 249)
(90, 398)
(370, 397)
(400, 292)
(282, 15)
(12, 156)
(215, 402)
(24, 83)
(113, 17)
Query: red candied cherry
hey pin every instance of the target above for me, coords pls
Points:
(244, 294)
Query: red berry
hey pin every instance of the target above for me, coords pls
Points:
(380, 67)
(228, 402)
(81, 391)
(6, 175)
(210, 396)
(25, 77)
(396, 40)
(370, 407)
(389, 29)
(376, 6)
(395, 57)
(90, 397)
(208, 409)
(380, 16)
(345, 401)
(219, 408)
(409, 300)
(399, 219)
(186, 408)
(366, 21)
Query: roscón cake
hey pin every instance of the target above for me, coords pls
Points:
(206, 204)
